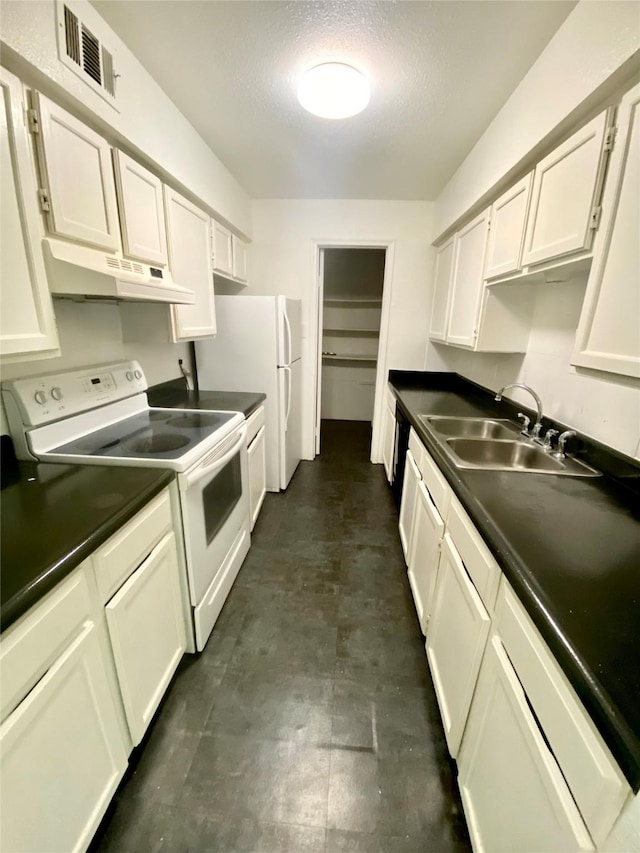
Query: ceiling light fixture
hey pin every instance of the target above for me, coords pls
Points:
(333, 90)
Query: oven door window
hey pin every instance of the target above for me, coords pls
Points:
(220, 497)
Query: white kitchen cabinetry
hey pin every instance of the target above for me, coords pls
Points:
(457, 635)
(62, 751)
(408, 503)
(190, 260)
(467, 281)
(256, 454)
(608, 335)
(514, 795)
(388, 433)
(27, 322)
(566, 193)
(79, 194)
(424, 557)
(506, 234)
(441, 291)
(146, 614)
(239, 251)
(141, 209)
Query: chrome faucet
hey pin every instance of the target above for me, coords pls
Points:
(535, 430)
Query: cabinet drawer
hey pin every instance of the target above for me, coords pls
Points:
(478, 560)
(29, 648)
(124, 552)
(417, 449)
(592, 774)
(435, 483)
(254, 422)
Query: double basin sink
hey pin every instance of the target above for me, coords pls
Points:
(497, 444)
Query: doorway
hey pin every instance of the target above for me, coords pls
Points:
(350, 301)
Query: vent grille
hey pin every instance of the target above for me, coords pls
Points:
(122, 265)
(83, 52)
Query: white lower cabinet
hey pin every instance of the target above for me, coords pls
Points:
(388, 434)
(147, 633)
(424, 556)
(408, 503)
(257, 459)
(514, 795)
(62, 752)
(457, 636)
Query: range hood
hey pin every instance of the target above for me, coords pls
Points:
(74, 270)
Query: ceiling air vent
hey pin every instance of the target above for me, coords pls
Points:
(82, 51)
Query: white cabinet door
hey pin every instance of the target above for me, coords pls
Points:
(408, 503)
(190, 262)
(27, 322)
(147, 633)
(441, 291)
(424, 557)
(506, 232)
(239, 255)
(256, 453)
(222, 249)
(75, 165)
(609, 330)
(515, 798)
(566, 186)
(141, 208)
(456, 639)
(388, 441)
(467, 281)
(62, 754)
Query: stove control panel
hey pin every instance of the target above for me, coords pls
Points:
(38, 400)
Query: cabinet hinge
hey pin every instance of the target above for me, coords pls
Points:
(595, 217)
(33, 121)
(610, 137)
(45, 204)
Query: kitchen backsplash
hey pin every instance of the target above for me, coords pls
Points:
(603, 406)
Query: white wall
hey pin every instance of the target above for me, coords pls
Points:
(283, 256)
(600, 405)
(90, 333)
(146, 118)
(594, 42)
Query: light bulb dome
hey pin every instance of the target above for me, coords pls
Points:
(333, 90)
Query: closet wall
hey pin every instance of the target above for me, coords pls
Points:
(352, 305)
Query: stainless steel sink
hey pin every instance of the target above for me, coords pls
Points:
(509, 455)
(471, 427)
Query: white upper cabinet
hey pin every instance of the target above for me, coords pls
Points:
(467, 281)
(239, 249)
(190, 260)
(141, 208)
(609, 329)
(75, 168)
(565, 194)
(222, 249)
(506, 234)
(27, 322)
(441, 291)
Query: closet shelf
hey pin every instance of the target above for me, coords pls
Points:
(334, 356)
(351, 300)
(351, 331)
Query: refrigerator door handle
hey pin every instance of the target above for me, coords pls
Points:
(288, 328)
(288, 385)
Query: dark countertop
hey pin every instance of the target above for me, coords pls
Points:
(570, 548)
(176, 395)
(54, 516)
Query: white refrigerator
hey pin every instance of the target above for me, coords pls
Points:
(258, 347)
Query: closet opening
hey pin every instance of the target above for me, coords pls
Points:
(350, 298)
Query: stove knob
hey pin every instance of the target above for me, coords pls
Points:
(40, 397)
(56, 393)
(138, 374)
(129, 375)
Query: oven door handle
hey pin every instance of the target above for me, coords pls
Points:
(214, 461)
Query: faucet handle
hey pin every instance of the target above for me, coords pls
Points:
(535, 431)
(559, 454)
(525, 423)
(546, 444)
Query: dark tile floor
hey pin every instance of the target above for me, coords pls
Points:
(309, 722)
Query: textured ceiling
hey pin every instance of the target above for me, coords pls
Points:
(440, 71)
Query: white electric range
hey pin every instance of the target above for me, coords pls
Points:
(100, 416)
